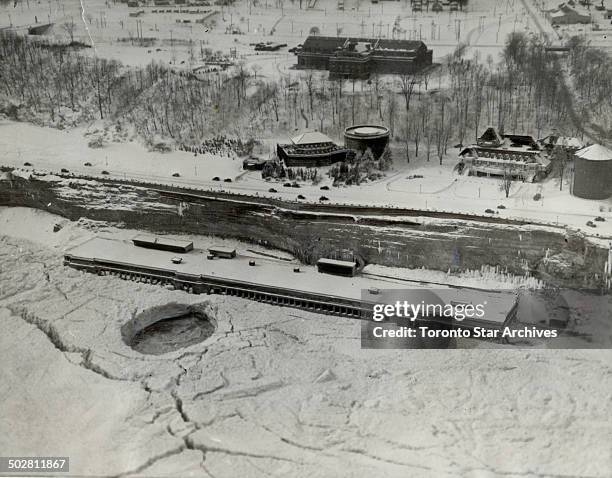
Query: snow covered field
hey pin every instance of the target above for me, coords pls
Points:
(483, 25)
(440, 189)
(274, 391)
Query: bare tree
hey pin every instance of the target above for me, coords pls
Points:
(506, 181)
(407, 84)
(562, 158)
(70, 28)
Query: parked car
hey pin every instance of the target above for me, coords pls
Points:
(176, 175)
(301, 197)
(272, 190)
(295, 185)
(600, 219)
(64, 170)
(105, 172)
(87, 164)
(27, 164)
(323, 198)
(501, 206)
(324, 188)
(489, 211)
(287, 185)
(591, 224)
(227, 180)
(216, 178)
(177, 260)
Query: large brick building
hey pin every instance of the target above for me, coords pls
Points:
(361, 57)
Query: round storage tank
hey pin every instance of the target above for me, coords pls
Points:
(593, 173)
(361, 137)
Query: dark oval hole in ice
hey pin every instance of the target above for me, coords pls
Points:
(168, 328)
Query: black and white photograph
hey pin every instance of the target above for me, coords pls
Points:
(306, 238)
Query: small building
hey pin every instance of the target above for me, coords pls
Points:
(40, 29)
(592, 172)
(162, 243)
(517, 156)
(310, 149)
(361, 137)
(253, 164)
(222, 251)
(566, 15)
(336, 267)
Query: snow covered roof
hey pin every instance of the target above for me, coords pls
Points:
(490, 136)
(310, 137)
(569, 142)
(335, 262)
(162, 241)
(595, 152)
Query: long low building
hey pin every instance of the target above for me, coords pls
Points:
(162, 243)
(268, 280)
(362, 57)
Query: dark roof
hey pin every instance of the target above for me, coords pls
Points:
(522, 140)
(317, 43)
(400, 44)
(331, 44)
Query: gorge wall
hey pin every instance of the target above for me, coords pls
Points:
(550, 253)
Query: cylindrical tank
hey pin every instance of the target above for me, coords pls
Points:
(592, 173)
(361, 137)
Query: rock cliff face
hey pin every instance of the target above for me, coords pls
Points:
(310, 233)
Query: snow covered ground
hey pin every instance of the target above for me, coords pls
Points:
(274, 391)
(483, 25)
(440, 189)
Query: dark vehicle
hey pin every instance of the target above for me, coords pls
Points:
(64, 170)
(591, 224)
(501, 206)
(272, 190)
(489, 211)
(176, 175)
(27, 164)
(599, 219)
(324, 188)
(216, 178)
(323, 198)
(87, 164)
(105, 172)
(301, 197)
(295, 185)
(287, 185)
(227, 180)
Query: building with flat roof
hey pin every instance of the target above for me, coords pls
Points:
(162, 243)
(360, 57)
(366, 136)
(336, 267)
